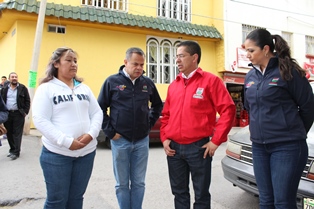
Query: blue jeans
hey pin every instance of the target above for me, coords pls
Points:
(129, 166)
(189, 159)
(66, 179)
(278, 168)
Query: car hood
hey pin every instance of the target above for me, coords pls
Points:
(243, 136)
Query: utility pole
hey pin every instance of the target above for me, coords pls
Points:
(34, 64)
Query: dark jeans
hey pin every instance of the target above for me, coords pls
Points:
(66, 179)
(189, 159)
(278, 168)
(14, 126)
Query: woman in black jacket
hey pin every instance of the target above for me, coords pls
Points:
(280, 102)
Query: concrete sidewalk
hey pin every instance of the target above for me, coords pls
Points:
(22, 183)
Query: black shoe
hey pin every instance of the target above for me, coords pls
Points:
(13, 157)
(9, 154)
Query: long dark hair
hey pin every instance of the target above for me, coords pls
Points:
(51, 71)
(279, 47)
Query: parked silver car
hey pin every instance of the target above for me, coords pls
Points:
(237, 167)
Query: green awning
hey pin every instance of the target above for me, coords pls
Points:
(113, 17)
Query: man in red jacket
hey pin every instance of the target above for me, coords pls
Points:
(189, 131)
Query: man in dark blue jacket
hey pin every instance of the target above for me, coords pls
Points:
(135, 106)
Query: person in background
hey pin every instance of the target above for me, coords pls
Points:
(280, 103)
(189, 132)
(3, 117)
(128, 95)
(67, 114)
(4, 82)
(17, 100)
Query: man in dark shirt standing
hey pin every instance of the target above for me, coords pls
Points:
(128, 95)
(17, 100)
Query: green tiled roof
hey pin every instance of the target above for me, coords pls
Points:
(113, 17)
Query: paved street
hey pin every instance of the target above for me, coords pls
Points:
(22, 183)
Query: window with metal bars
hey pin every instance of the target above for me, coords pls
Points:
(106, 4)
(161, 66)
(246, 29)
(175, 9)
(287, 36)
(309, 45)
(56, 29)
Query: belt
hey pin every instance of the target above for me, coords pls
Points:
(13, 110)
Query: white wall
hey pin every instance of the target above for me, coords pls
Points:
(294, 16)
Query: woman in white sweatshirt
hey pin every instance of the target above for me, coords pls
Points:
(67, 114)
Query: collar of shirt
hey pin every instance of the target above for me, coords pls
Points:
(10, 85)
(127, 75)
(190, 75)
(259, 69)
